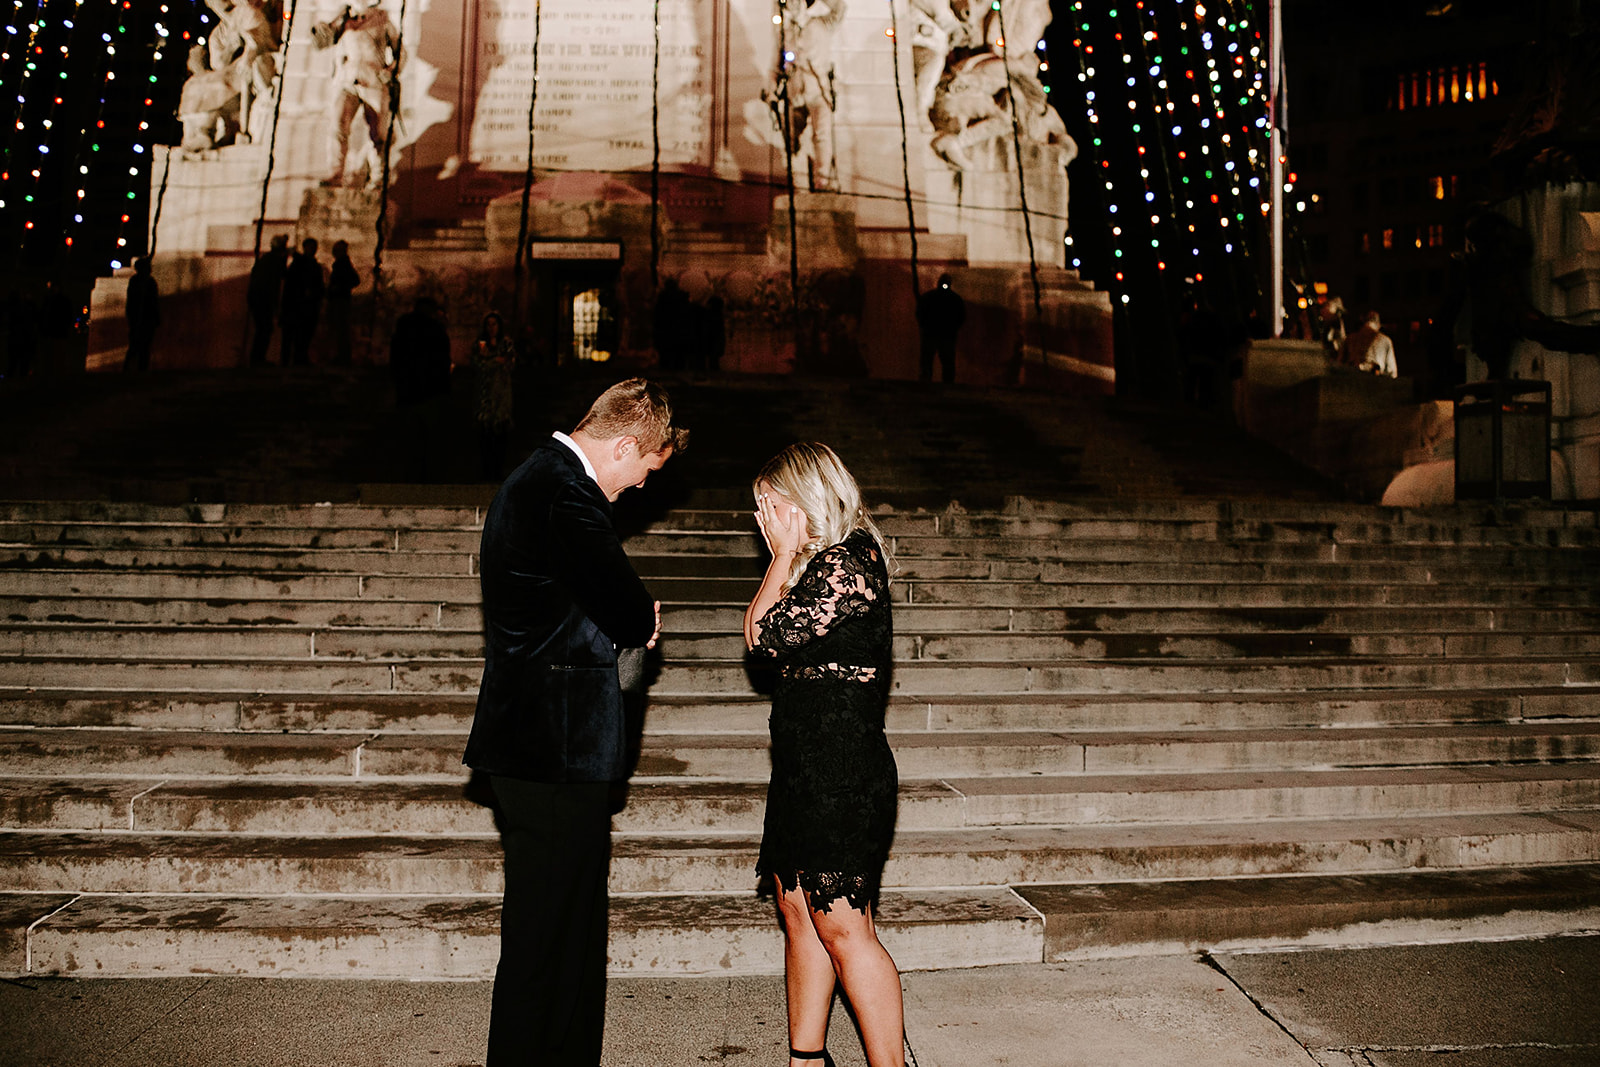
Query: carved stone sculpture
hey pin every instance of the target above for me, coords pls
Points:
(237, 64)
(968, 76)
(366, 72)
(811, 86)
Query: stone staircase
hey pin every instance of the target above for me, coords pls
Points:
(230, 735)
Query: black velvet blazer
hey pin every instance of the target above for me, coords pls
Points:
(559, 598)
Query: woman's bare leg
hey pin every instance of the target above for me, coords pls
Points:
(808, 975)
(869, 977)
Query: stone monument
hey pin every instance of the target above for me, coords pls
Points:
(285, 131)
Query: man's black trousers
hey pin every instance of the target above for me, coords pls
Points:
(550, 988)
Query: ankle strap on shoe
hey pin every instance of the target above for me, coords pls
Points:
(796, 1054)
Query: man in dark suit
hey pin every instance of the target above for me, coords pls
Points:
(559, 600)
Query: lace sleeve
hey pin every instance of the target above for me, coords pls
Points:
(838, 584)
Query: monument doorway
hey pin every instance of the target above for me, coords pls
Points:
(576, 309)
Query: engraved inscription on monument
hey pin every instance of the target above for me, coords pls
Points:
(594, 84)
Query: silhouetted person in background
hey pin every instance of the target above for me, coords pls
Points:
(264, 296)
(143, 313)
(716, 332)
(58, 328)
(419, 363)
(1204, 345)
(494, 359)
(940, 314)
(302, 304)
(22, 334)
(672, 325)
(342, 281)
(704, 334)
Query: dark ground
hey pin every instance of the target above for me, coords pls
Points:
(1477, 1004)
(319, 433)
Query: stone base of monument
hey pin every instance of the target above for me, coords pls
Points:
(212, 200)
(329, 214)
(824, 229)
(202, 313)
(982, 203)
(1066, 341)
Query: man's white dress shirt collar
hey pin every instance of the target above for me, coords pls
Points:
(588, 467)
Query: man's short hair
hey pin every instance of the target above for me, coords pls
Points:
(635, 408)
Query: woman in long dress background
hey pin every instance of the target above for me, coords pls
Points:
(823, 614)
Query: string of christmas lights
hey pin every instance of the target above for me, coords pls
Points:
(91, 87)
(139, 166)
(1171, 117)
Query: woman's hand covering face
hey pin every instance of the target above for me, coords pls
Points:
(783, 525)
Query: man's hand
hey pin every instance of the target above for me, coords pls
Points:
(655, 636)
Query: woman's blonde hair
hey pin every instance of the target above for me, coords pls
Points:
(811, 475)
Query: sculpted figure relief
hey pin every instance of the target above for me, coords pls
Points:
(962, 61)
(237, 64)
(366, 72)
(811, 87)
(810, 27)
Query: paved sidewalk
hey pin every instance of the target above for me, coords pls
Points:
(1167, 1010)
(1527, 1003)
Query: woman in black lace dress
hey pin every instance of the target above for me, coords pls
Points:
(823, 615)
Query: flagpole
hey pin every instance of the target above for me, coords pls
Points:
(1275, 94)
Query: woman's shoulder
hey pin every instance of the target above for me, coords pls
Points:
(858, 550)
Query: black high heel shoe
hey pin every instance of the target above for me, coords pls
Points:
(820, 1054)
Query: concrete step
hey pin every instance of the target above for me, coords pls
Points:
(394, 644)
(322, 516)
(742, 542)
(216, 558)
(926, 678)
(452, 713)
(55, 752)
(1243, 595)
(458, 936)
(1061, 593)
(121, 862)
(267, 611)
(934, 679)
(1089, 921)
(1042, 512)
(318, 806)
(1186, 520)
(685, 619)
(1106, 550)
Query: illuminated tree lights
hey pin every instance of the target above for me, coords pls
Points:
(92, 86)
(1171, 101)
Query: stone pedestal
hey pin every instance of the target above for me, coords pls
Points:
(349, 215)
(1564, 282)
(825, 228)
(985, 203)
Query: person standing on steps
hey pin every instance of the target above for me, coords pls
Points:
(560, 599)
(940, 315)
(823, 615)
(264, 295)
(343, 278)
(494, 360)
(302, 304)
(420, 365)
(143, 312)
